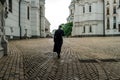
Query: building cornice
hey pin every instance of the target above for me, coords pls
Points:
(89, 2)
(89, 22)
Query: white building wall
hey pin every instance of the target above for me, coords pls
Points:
(111, 30)
(35, 22)
(35, 18)
(25, 22)
(87, 19)
(71, 11)
(11, 23)
(76, 20)
(30, 26)
(99, 30)
(38, 18)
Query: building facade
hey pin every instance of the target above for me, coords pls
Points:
(12, 22)
(47, 28)
(71, 11)
(96, 18)
(3, 41)
(26, 19)
(35, 26)
(38, 18)
(18, 22)
(1, 33)
(112, 17)
(42, 18)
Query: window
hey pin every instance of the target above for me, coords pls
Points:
(107, 2)
(90, 8)
(11, 29)
(84, 29)
(71, 11)
(114, 1)
(114, 10)
(108, 11)
(90, 28)
(114, 22)
(46, 29)
(28, 13)
(83, 9)
(108, 23)
(10, 5)
(114, 19)
(114, 25)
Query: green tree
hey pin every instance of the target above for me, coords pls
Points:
(67, 28)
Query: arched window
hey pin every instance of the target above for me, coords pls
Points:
(90, 28)
(90, 9)
(114, 1)
(107, 2)
(114, 22)
(108, 11)
(10, 5)
(84, 29)
(83, 9)
(28, 13)
(114, 10)
(108, 23)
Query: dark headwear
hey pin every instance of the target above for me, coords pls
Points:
(60, 26)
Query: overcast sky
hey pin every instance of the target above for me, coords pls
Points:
(57, 12)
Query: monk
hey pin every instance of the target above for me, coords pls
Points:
(58, 40)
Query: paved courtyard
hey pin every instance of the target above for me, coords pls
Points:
(81, 59)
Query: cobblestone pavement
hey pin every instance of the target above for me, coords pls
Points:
(81, 59)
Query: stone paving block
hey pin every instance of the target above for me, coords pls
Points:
(81, 59)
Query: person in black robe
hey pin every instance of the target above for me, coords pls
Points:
(58, 40)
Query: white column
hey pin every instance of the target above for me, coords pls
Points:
(42, 19)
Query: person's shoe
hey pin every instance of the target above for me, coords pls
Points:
(58, 56)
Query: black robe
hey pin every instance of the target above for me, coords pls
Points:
(58, 40)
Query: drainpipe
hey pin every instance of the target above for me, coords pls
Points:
(103, 17)
(20, 19)
(40, 18)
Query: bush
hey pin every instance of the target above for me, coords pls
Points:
(67, 28)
